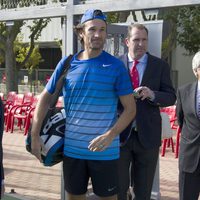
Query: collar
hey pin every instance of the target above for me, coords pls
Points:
(143, 59)
(198, 85)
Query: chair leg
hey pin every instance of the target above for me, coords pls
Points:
(168, 142)
(8, 123)
(12, 124)
(164, 145)
(172, 143)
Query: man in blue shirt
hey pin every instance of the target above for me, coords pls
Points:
(95, 82)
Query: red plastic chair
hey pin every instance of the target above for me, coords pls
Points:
(21, 112)
(28, 98)
(9, 99)
(19, 98)
(30, 114)
(171, 111)
(9, 102)
(31, 111)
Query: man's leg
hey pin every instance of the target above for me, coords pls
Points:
(76, 178)
(75, 197)
(104, 178)
(189, 185)
(144, 166)
(124, 171)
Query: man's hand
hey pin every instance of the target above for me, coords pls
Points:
(36, 147)
(100, 143)
(144, 92)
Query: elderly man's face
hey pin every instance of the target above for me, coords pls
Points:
(197, 73)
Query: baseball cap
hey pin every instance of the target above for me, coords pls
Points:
(93, 14)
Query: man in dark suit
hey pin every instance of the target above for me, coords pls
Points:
(188, 114)
(1, 150)
(154, 89)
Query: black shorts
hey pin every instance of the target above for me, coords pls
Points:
(103, 176)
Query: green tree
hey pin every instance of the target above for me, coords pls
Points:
(8, 50)
(32, 63)
(184, 25)
(34, 59)
(189, 28)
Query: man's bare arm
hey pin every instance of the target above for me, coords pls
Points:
(39, 115)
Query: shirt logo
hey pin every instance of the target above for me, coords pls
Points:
(111, 189)
(104, 65)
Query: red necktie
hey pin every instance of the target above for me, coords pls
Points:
(135, 75)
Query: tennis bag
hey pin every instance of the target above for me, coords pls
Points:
(52, 137)
(53, 127)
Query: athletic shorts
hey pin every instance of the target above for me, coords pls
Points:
(103, 174)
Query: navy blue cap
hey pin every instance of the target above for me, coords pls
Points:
(93, 14)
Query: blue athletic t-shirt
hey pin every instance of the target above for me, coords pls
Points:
(91, 92)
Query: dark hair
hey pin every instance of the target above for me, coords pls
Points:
(138, 26)
(78, 29)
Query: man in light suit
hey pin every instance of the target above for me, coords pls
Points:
(2, 189)
(141, 141)
(188, 114)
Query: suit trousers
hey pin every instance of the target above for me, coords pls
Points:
(144, 163)
(189, 184)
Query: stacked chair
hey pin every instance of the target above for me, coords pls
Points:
(8, 104)
(19, 110)
(171, 111)
(30, 114)
(16, 106)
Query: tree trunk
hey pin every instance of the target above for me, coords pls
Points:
(10, 63)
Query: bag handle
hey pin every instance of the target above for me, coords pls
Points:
(60, 82)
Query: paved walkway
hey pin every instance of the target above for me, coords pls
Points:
(30, 180)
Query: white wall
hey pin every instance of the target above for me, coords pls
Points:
(183, 64)
(51, 33)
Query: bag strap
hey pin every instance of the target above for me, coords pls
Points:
(60, 82)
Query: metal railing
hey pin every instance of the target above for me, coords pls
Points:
(34, 82)
(10, 4)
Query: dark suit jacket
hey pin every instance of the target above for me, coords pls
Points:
(1, 149)
(189, 122)
(148, 119)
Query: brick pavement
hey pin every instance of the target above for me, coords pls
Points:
(32, 181)
(169, 176)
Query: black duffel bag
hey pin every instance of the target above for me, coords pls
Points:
(52, 137)
(53, 127)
